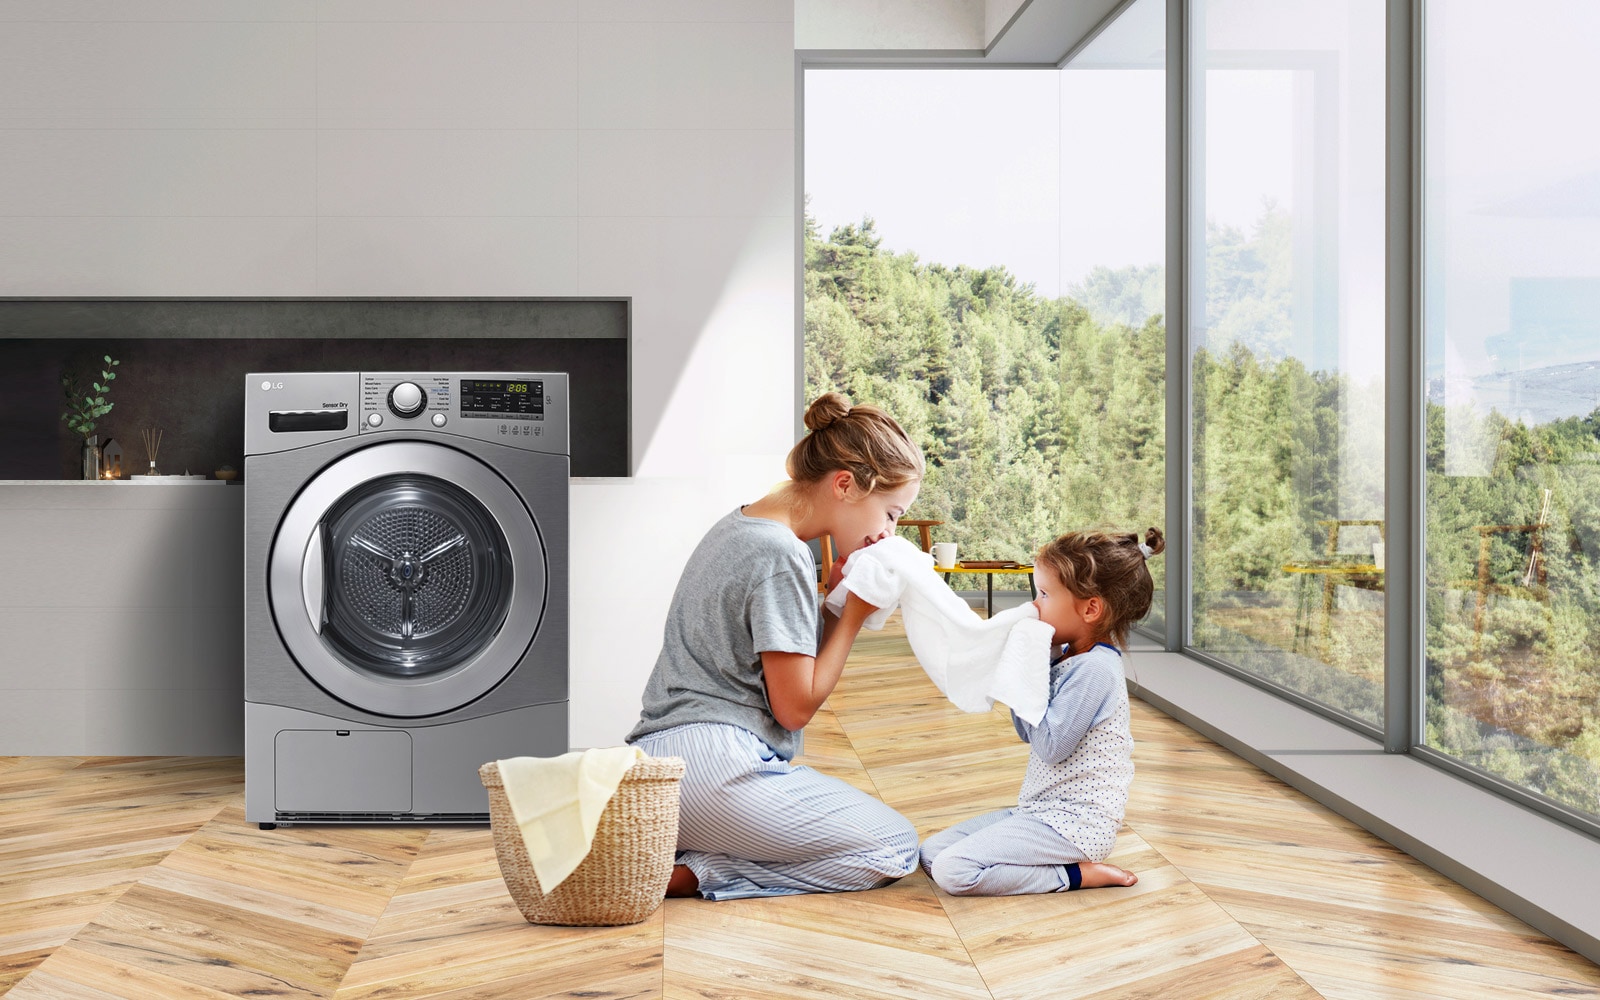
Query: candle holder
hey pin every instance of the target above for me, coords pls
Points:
(111, 459)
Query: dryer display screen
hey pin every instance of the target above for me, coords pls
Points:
(480, 397)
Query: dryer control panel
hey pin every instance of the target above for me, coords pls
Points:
(522, 409)
(291, 410)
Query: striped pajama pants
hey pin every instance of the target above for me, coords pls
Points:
(1001, 853)
(751, 824)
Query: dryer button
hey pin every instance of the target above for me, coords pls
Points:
(374, 419)
(438, 420)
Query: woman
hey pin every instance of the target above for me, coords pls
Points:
(747, 660)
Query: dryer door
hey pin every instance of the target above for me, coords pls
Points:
(407, 579)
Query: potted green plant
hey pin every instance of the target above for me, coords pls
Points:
(84, 411)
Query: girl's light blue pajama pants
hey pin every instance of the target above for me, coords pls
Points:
(1003, 853)
(751, 824)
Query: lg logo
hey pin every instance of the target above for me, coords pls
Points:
(269, 386)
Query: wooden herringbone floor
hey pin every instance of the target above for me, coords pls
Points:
(140, 878)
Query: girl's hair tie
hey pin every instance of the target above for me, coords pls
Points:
(1146, 550)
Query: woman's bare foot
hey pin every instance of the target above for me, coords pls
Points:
(1098, 875)
(684, 882)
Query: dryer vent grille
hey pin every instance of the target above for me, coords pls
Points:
(381, 817)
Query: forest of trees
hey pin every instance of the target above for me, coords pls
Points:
(1034, 416)
(1042, 415)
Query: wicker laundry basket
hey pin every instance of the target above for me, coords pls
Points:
(624, 878)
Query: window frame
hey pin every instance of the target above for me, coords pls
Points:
(1403, 729)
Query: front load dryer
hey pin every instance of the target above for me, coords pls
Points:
(405, 590)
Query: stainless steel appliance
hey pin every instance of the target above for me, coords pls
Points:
(405, 589)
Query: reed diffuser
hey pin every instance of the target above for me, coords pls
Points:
(152, 444)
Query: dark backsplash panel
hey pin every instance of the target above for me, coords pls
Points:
(184, 363)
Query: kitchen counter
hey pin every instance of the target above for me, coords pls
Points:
(80, 483)
(122, 617)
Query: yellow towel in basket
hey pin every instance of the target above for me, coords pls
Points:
(557, 802)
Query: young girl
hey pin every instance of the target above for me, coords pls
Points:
(747, 660)
(1092, 587)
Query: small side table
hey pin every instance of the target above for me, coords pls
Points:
(989, 571)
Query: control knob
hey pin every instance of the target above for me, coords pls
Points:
(407, 399)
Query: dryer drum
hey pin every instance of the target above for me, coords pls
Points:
(419, 576)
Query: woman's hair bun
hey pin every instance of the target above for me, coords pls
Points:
(825, 409)
(869, 445)
(1155, 540)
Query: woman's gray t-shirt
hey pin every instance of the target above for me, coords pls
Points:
(750, 587)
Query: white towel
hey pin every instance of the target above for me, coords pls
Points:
(973, 661)
(557, 802)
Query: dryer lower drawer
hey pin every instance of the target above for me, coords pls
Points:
(345, 770)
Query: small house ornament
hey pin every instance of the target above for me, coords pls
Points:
(111, 459)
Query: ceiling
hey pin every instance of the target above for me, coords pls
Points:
(948, 32)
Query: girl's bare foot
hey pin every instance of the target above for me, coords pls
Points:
(684, 882)
(1097, 875)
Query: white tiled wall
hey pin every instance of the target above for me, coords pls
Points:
(88, 173)
(483, 173)
(443, 74)
(120, 625)
(448, 147)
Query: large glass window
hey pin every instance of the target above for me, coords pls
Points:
(983, 258)
(1113, 247)
(1287, 320)
(1512, 314)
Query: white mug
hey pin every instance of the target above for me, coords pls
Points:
(944, 553)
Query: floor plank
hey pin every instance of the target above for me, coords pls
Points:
(77, 832)
(890, 942)
(271, 938)
(1325, 895)
(138, 877)
(452, 930)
